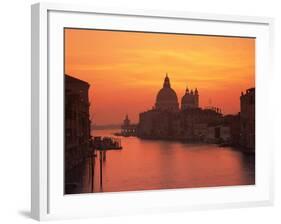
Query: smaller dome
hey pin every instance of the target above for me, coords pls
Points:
(190, 99)
(187, 99)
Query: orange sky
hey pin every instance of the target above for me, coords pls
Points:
(127, 69)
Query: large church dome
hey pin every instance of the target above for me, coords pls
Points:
(166, 94)
(166, 98)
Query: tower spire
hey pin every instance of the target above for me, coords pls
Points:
(166, 82)
(186, 90)
(127, 120)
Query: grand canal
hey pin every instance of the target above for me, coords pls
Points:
(154, 164)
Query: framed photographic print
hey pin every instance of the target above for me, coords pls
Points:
(137, 111)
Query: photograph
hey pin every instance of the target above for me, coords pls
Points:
(157, 111)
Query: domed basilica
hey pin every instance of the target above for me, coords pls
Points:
(167, 121)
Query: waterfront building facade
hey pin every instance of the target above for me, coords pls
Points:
(77, 121)
(247, 117)
(233, 122)
(218, 134)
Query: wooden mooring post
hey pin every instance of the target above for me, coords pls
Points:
(93, 162)
(104, 156)
(103, 144)
(100, 168)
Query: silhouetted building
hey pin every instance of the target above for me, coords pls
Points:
(166, 121)
(190, 99)
(218, 134)
(233, 122)
(247, 116)
(128, 129)
(77, 122)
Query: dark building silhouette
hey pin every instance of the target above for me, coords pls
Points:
(247, 119)
(233, 122)
(128, 129)
(190, 99)
(191, 123)
(77, 122)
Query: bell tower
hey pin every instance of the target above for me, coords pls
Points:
(126, 121)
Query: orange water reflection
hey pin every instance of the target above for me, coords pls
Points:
(150, 164)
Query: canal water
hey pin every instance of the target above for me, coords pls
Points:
(156, 164)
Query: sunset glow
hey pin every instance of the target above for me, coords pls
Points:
(125, 70)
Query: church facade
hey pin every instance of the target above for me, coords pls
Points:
(187, 121)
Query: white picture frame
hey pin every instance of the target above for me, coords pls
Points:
(48, 201)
